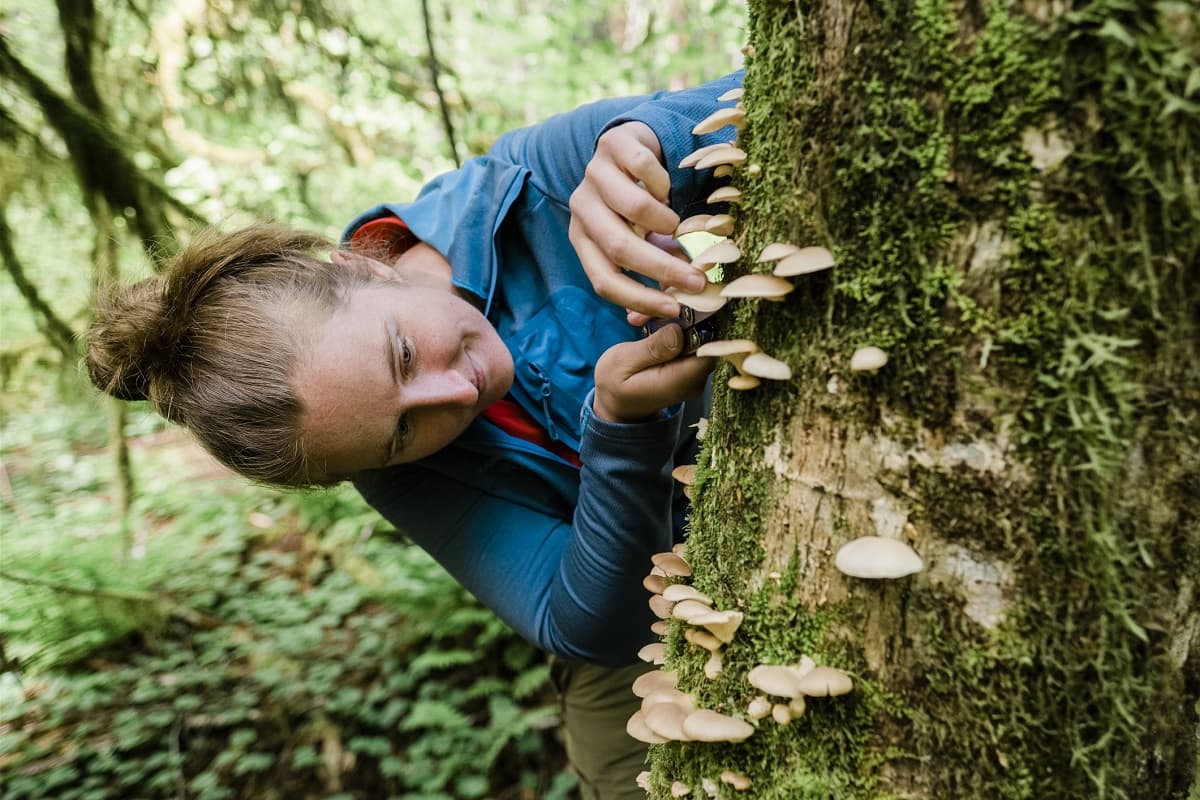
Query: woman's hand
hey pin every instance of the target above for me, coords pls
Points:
(626, 185)
(637, 380)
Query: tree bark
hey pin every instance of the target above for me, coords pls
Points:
(1010, 191)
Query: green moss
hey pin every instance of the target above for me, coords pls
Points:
(1077, 344)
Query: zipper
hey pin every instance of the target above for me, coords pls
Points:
(545, 393)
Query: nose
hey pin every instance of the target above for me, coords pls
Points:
(446, 388)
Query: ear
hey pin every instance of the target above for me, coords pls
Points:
(366, 265)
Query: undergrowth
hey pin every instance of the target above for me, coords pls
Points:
(260, 646)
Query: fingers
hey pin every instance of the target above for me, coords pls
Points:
(635, 202)
(611, 283)
(635, 380)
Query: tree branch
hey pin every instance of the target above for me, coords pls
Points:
(433, 71)
(57, 332)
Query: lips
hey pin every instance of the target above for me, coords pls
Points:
(477, 373)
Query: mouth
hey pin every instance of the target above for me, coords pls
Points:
(478, 376)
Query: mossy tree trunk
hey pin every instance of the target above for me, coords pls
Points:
(1012, 192)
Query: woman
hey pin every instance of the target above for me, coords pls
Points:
(458, 362)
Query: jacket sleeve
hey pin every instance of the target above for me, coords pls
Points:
(557, 151)
(570, 586)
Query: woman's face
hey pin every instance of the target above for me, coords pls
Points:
(396, 374)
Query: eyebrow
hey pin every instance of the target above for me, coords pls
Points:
(391, 445)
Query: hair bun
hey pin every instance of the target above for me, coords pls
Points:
(129, 344)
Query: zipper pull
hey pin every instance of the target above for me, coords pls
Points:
(545, 392)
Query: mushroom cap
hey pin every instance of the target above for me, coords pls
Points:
(681, 591)
(761, 365)
(736, 780)
(701, 425)
(776, 679)
(712, 667)
(731, 115)
(679, 549)
(660, 606)
(720, 224)
(759, 707)
(687, 610)
(732, 94)
(648, 682)
(726, 155)
(666, 719)
(877, 557)
(776, 251)
(726, 347)
(685, 474)
(706, 301)
(804, 261)
(692, 224)
(643, 780)
(704, 725)
(744, 382)
(781, 713)
(674, 566)
(702, 638)
(660, 627)
(719, 253)
(655, 584)
(693, 158)
(757, 285)
(638, 729)
(726, 194)
(722, 624)
(723, 171)
(669, 694)
(654, 653)
(680, 789)
(866, 359)
(797, 705)
(826, 682)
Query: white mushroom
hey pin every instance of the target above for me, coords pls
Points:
(732, 94)
(704, 725)
(757, 285)
(719, 253)
(866, 359)
(680, 789)
(826, 682)
(692, 224)
(660, 627)
(672, 565)
(701, 425)
(804, 261)
(731, 115)
(666, 719)
(687, 610)
(761, 365)
(668, 694)
(739, 782)
(648, 682)
(776, 251)
(654, 653)
(694, 157)
(706, 301)
(776, 679)
(712, 667)
(726, 155)
(721, 348)
(660, 606)
(722, 624)
(702, 638)
(679, 549)
(743, 382)
(723, 171)
(877, 557)
(726, 194)
(796, 705)
(759, 707)
(720, 225)
(781, 713)
(655, 584)
(681, 591)
(637, 728)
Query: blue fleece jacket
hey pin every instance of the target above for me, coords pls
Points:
(558, 552)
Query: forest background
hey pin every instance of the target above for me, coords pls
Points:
(165, 629)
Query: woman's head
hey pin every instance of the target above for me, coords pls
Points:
(289, 369)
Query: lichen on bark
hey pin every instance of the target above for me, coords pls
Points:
(1011, 191)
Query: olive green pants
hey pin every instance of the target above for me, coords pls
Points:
(595, 703)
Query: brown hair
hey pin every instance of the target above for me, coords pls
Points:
(213, 343)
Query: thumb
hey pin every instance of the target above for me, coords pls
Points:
(661, 346)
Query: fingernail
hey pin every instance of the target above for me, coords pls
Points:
(696, 283)
(672, 336)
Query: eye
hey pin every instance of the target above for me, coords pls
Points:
(406, 353)
(403, 430)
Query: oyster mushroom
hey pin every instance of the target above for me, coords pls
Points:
(692, 224)
(826, 682)
(706, 301)
(660, 606)
(681, 591)
(655, 584)
(719, 253)
(776, 251)
(703, 639)
(867, 359)
(637, 728)
(776, 679)
(726, 155)
(694, 157)
(654, 653)
(877, 557)
(781, 713)
(660, 627)
(723, 171)
(720, 225)
(712, 667)
(732, 94)
(757, 285)
(672, 565)
(648, 682)
(744, 382)
(719, 119)
(726, 194)
(804, 261)
(721, 348)
(738, 781)
(680, 789)
(759, 707)
(761, 365)
(666, 720)
(685, 474)
(688, 610)
(704, 725)
(722, 624)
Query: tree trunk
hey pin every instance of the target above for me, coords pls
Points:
(1011, 194)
